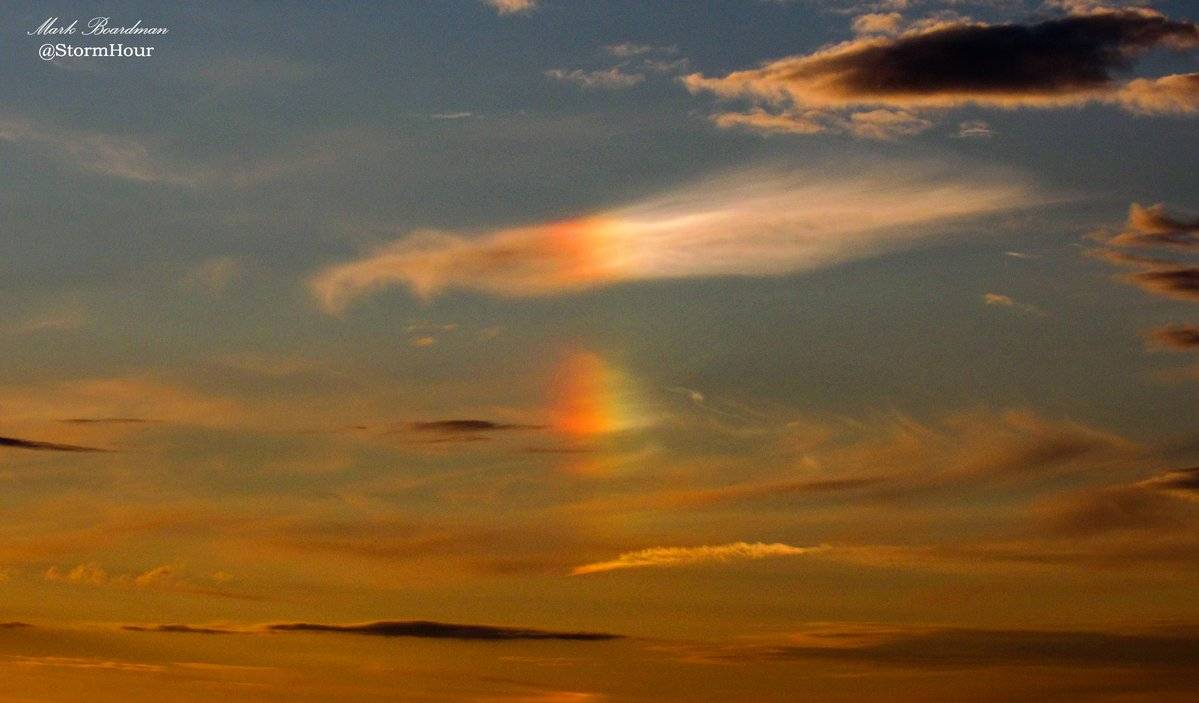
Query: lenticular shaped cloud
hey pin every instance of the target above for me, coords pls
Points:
(750, 223)
(683, 556)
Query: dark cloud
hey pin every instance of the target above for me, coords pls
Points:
(1183, 482)
(1059, 62)
(949, 648)
(34, 445)
(466, 426)
(192, 629)
(1176, 337)
(14, 625)
(107, 421)
(440, 630)
(393, 628)
(1178, 282)
(1057, 56)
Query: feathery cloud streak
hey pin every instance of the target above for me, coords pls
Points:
(752, 223)
(683, 556)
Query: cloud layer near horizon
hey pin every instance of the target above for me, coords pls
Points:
(388, 628)
(752, 223)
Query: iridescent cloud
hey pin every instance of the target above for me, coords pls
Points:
(762, 222)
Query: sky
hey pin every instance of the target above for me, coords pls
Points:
(564, 351)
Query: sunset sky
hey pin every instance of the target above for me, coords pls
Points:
(582, 351)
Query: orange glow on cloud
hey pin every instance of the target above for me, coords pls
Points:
(749, 223)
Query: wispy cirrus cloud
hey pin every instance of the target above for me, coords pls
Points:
(657, 557)
(1061, 62)
(609, 78)
(760, 222)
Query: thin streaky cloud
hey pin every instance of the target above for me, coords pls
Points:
(467, 426)
(609, 79)
(1006, 301)
(657, 557)
(423, 629)
(35, 445)
(1174, 338)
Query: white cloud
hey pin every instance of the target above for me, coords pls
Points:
(683, 556)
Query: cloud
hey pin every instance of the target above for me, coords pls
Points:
(107, 421)
(1164, 500)
(900, 457)
(1055, 63)
(1152, 226)
(151, 159)
(1180, 483)
(878, 23)
(685, 556)
(760, 120)
(610, 78)
(185, 629)
(946, 63)
(975, 129)
(451, 115)
(512, 7)
(466, 426)
(879, 124)
(1178, 282)
(885, 125)
(167, 577)
(1169, 94)
(936, 647)
(1174, 337)
(753, 223)
(17, 443)
(1005, 301)
(120, 397)
(440, 630)
(425, 629)
(121, 157)
(626, 50)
